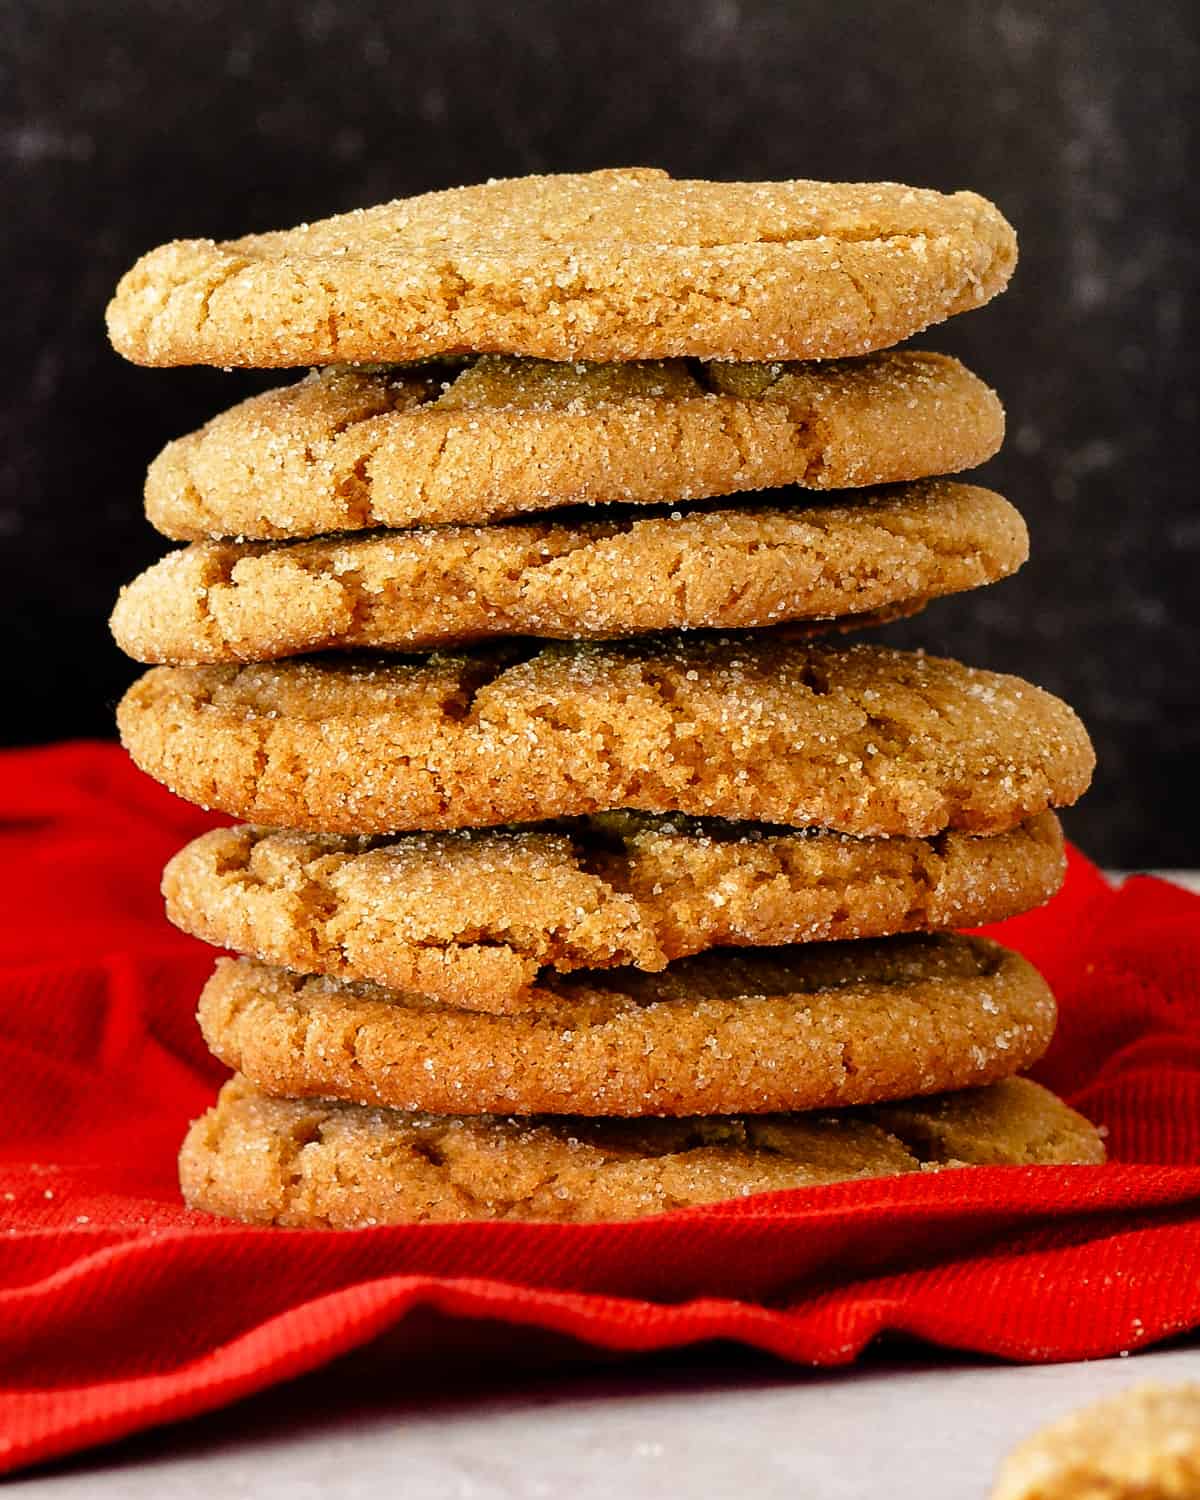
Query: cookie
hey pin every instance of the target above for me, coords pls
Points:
(615, 265)
(1142, 1444)
(864, 740)
(737, 1030)
(596, 578)
(474, 917)
(347, 450)
(314, 1164)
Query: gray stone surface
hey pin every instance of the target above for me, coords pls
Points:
(699, 1429)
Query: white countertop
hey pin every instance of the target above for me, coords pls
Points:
(700, 1426)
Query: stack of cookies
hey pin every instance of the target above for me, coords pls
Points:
(578, 879)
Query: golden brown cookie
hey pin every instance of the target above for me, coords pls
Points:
(315, 1164)
(739, 1030)
(615, 265)
(1142, 1444)
(626, 574)
(865, 740)
(473, 917)
(347, 450)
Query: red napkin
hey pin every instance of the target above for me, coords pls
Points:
(119, 1309)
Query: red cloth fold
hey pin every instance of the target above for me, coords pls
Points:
(119, 1309)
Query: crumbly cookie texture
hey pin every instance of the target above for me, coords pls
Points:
(614, 265)
(622, 575)
(739, 1030)
(1143, 1444)
(348, 450)
(864, 740)
(311, 1163)
(474, 917)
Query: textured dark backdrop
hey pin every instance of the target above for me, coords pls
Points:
(124, 124)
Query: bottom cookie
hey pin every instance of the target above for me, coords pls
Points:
(315, 1164)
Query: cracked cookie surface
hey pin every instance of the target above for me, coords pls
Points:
(349, 450)
(309, 1163)
(473, 918)
(863, 740)
(814, 1026)
(624, 574)
(612, 265)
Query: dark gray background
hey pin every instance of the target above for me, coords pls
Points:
(127, 124)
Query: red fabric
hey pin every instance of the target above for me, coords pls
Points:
(119, 1309)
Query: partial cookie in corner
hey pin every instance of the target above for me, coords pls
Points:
(817, 1026)
(474, 917)
(614, 265)
(1141, 1444)
(862, 739)
(474, 441)
(622, 574)
(314, 1164)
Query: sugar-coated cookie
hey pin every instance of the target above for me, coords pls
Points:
(825, 565)
(309, 1163)
(728, 1032)
(1142, 1444)
(474, 917)
(472, 441)
(865, 740)
(612, 265)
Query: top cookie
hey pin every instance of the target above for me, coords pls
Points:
(614, 265)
